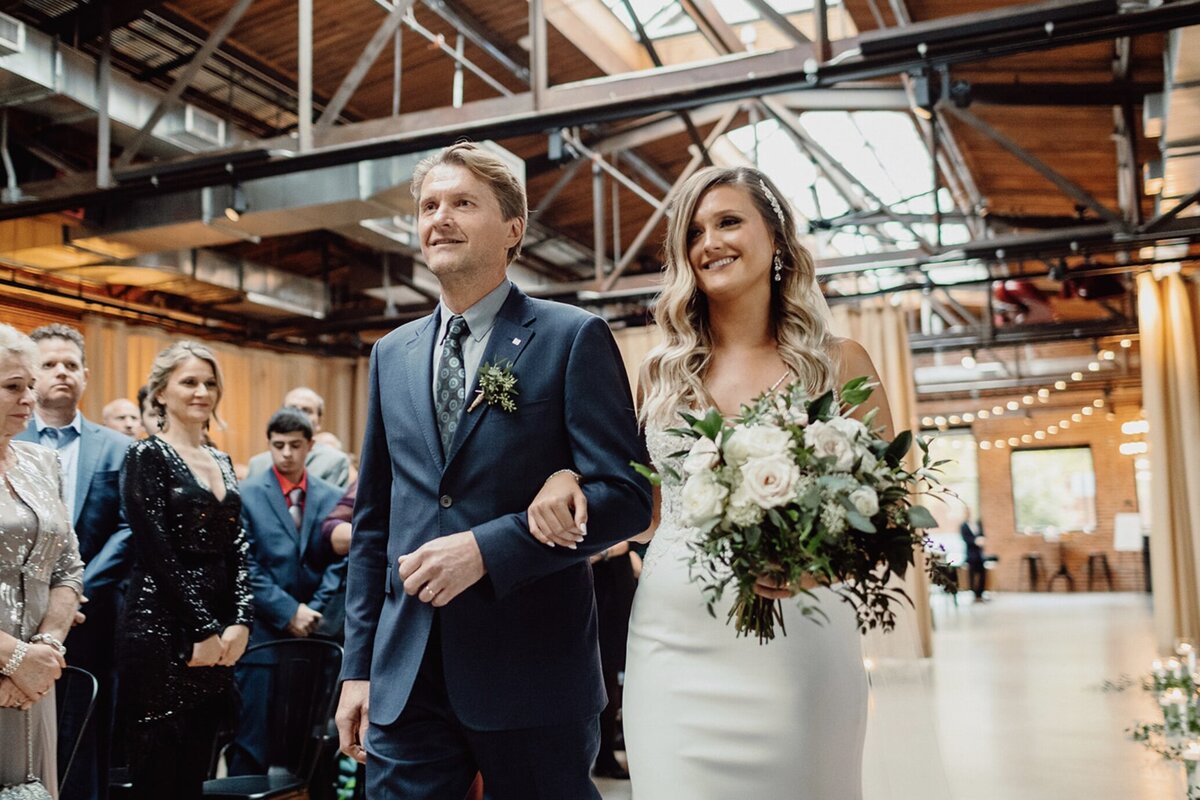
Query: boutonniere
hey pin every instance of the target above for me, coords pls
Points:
(497, 387)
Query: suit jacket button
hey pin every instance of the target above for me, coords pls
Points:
(445, 501)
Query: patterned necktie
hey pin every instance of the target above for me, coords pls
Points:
(451, 384)
(295, 505)
(60, 436)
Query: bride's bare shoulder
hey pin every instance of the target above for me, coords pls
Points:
(850, 358)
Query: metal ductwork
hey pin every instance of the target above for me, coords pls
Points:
(1178, 173)
(46, 78)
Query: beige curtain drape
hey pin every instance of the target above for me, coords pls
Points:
(882, 330)
(635, 344)
(119, 357)
(1167, 310)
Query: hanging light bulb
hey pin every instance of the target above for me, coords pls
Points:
(968, 361)
(1060, 385)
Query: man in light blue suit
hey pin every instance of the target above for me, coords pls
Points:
(291, 574)
(91, 457)
(473, 645)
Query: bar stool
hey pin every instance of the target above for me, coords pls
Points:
(1031, 564)
(1099, 559)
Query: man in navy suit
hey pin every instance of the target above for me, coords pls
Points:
(474, 646)
(291, 575)
(91, 457)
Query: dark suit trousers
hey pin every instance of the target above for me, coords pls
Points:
(428, 753)
(976, 575)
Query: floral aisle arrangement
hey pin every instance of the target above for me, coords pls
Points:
(796, 489)
(1175, 684)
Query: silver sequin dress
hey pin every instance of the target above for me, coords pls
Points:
(38, 551)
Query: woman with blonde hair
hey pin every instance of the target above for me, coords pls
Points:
(188, 606)
(709, 714)
(41, 579)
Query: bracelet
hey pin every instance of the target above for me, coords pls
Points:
(14, 661)
(570, 472)
(51, 640)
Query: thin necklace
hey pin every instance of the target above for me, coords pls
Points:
(782, 378)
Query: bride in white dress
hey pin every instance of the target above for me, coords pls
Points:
(708, 714)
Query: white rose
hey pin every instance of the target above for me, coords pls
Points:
(756, 441)
(769, 482)
(702, 457)
(796, 415)
(828, 440)
(703, 500)
(865, 501)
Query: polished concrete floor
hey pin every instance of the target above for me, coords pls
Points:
(1018, 701)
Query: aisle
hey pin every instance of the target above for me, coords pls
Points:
(1020, 710)
(1019, 706)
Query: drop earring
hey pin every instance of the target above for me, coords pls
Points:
(778, 266)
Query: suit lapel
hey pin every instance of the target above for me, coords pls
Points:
(510, 335)
(89, 454)
(308, 523)
(418, 362)
(279, 504)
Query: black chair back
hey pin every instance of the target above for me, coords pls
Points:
(298, 679)
(75, 699)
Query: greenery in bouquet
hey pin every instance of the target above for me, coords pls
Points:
(796, 489)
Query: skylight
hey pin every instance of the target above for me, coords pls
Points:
(883, 150)
(665, 18)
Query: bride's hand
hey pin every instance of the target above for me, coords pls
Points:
(770, 587)
(558, 515)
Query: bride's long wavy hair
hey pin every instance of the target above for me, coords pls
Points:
(674, 370)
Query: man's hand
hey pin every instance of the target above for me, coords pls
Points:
(303, 622)
(351, 719)
(339, 540)
(439, 571)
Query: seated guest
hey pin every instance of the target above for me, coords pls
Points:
(122, 416)
(323, 461)
(282, 511)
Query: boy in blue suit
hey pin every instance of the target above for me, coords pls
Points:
(292, 578)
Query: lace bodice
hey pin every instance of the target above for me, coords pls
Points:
(671, 532)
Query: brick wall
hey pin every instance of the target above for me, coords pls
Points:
(1115, 493)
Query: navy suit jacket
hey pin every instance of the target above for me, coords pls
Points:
(287, 567)
(103, 538)
(519, 647)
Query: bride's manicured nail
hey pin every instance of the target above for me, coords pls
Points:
(573, 547)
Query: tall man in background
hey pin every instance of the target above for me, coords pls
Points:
(91, 456)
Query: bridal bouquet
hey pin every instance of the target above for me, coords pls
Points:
(797, 490)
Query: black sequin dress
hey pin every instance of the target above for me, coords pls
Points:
(190, 580)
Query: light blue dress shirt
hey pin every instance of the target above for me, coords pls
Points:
(68, 455)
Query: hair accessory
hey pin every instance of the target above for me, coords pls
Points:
(774, 204)
(778, 266)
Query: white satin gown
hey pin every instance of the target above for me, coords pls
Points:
(710, 715)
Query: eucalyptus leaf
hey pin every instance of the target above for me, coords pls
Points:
(919, 517)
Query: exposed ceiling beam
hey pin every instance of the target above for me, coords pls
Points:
(619, 97)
